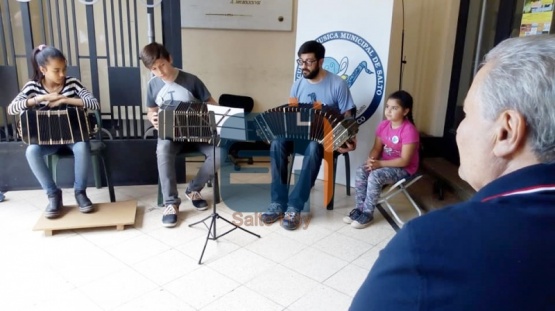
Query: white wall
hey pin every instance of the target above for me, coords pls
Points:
(253, 63)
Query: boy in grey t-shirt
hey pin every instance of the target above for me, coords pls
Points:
(170, 83)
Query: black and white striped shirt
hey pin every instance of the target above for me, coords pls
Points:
(72, 89)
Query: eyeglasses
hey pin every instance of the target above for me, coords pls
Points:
(307, 62)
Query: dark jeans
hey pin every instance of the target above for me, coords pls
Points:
(279, 150)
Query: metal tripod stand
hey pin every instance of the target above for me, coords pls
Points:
(212, 235)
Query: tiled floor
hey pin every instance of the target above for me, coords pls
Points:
(149, 267)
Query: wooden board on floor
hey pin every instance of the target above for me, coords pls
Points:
(118, 214)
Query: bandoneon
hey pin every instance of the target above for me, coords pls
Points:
(184, 122)
(55, 126)
(299, 121)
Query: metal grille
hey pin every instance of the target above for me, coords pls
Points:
(101, 40)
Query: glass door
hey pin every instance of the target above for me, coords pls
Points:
(482, 24)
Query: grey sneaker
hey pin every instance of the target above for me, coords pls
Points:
(198, 201)
(273, 214)
(54, 207)
(169, 216)
(85, 205)
(363, 221)
(353, 215)
(291, 219)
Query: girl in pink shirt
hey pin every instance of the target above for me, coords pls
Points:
(393, 157)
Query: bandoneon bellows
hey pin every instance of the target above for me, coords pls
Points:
(315, 122)
(55, 126)
(184, 121)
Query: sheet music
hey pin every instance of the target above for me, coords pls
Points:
(230, 122)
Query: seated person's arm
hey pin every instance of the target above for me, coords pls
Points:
(350, 144)
(212, 101)
(152, 115)
(376, 149)
(85, 98)
(375, 153)
(406, 154)
(77, 102)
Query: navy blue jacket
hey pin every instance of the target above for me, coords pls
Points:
(493, 252)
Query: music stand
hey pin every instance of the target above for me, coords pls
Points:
(212, 235)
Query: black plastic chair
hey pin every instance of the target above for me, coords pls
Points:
(252, 145)
(237, 101)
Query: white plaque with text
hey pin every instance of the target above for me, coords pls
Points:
(238, 14)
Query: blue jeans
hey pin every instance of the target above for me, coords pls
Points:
(35, 157)
(279, 151)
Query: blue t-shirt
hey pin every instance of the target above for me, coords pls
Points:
(331, 91)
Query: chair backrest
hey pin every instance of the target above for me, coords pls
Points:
(237, 101)
(127, 119)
